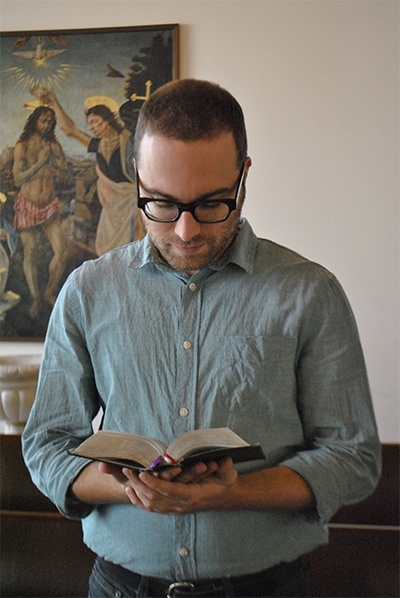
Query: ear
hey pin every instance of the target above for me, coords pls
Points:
(247, 164)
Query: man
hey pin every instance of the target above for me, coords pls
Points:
(119, 221)
(203, 325)
(38, 161)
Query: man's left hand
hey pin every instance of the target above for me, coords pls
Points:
(178, 492)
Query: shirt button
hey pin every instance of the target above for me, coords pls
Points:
(183, 411)
(183, 551)
(187, 345)
(192, 286)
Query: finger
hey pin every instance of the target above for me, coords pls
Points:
(201, 471)
(113, 470)
(154, 494)
(227, 473)
(192, 474)
(145, 484)
(163, 491)
(136, 491)
(225, 464)
(133, 497)
(169, 473)
(108, 468)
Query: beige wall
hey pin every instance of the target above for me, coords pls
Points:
(318, 81)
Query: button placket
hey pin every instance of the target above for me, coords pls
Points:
(186, 375)
(186, 389)
(183, 552)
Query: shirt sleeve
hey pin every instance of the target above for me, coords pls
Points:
(342, 458)
(66, 403)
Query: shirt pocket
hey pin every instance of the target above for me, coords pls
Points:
(257, 375)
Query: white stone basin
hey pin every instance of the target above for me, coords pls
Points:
(18, 382)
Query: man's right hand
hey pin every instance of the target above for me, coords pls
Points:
(44, 155)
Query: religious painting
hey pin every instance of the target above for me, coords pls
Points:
(70, 100)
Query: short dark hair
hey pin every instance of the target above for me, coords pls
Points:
(105, 113)
(190, 110)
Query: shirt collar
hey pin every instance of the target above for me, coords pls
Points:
(241, 252)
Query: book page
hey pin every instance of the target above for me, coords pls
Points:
(120, 445)
(199, 440)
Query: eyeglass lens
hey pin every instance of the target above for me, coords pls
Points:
(213, 211)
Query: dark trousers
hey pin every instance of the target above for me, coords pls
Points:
(112, 581)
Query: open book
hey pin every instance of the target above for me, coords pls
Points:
(140, 452)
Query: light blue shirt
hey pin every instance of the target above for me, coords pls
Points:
(263, 341)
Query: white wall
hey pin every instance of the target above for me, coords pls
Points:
(318, 81)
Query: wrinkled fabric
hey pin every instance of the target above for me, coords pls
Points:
(263, 342)
(120, 221)
(28, 214)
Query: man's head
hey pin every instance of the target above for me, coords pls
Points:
(42, 121)
(190, 110)
(99, 116)
(191, 152)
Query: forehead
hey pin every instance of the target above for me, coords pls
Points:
(46, 116)
(187, 169)
(94, 118)
(217, 151)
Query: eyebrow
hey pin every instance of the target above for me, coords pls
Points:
(204, 196)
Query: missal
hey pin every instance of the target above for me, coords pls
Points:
(142, 453)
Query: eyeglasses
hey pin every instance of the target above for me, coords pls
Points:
(205, 211)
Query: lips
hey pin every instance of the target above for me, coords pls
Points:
(188, 249)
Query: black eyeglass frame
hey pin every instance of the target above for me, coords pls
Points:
(189, 207)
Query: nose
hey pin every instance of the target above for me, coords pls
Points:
(186, 227)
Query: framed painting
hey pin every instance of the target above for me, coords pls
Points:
(70, 102)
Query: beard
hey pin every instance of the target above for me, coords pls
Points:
(212, 246)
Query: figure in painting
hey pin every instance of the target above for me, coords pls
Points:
(38, 162)
(120, 222)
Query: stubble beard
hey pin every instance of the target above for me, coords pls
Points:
(215, 247)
